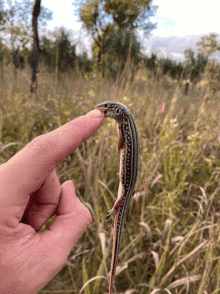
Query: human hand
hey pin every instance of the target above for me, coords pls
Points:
(29, 187)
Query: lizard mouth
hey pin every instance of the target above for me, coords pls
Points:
(103, 110)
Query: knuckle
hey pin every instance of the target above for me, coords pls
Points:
(40, 145)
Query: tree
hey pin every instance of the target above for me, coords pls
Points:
(5, 58)
(2, 14)
(120, 53)
(35, 56)
(65, 50)
(58, 51)
(16, 29)
(17, 26)
(108, 19)
(208, 44)
(96, 15)
(171, 67)
(194, 64)
(131, 14)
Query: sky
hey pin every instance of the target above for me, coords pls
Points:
(173, 17)
(63, 14)
(187, 17)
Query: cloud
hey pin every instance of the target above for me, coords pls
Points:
(174, 18)
(172, 47)
(63, 14)
(188, 17)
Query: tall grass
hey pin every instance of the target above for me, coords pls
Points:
(171, 239)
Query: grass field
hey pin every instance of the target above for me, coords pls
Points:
(171, 239)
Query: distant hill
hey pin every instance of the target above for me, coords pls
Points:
(171, 47)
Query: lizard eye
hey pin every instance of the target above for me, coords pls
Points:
(117, 110)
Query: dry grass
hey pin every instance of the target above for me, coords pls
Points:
(171, 240)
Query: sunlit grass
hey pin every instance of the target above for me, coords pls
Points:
(171, 237)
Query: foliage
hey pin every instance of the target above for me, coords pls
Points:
(171, 67)
(57, 49)
(208, 44)
(116, 47)
(4, 53)
(164, 66)
(212, 76)
(194, 65)
(150, 62)
(17, 29)
(98, 14)
(171, 237)
(108, 22)
(119, 49)
(64, 50)
(131, 14)
(3, 14)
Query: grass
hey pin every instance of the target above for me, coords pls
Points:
(171, 239)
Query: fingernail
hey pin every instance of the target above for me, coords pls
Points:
(96, 113)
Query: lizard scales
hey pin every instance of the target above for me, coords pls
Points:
(128, 147)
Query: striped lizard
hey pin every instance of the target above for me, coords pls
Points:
(128, 147)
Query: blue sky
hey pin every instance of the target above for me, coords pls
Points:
(63, 14)
(187, 17)
(174, 17)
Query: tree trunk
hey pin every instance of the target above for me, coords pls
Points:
(35, 57)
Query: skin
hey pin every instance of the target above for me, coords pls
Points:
(30, 190)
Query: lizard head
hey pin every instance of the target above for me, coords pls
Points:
(113, 109)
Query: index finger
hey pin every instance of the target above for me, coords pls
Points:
(30, 167)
